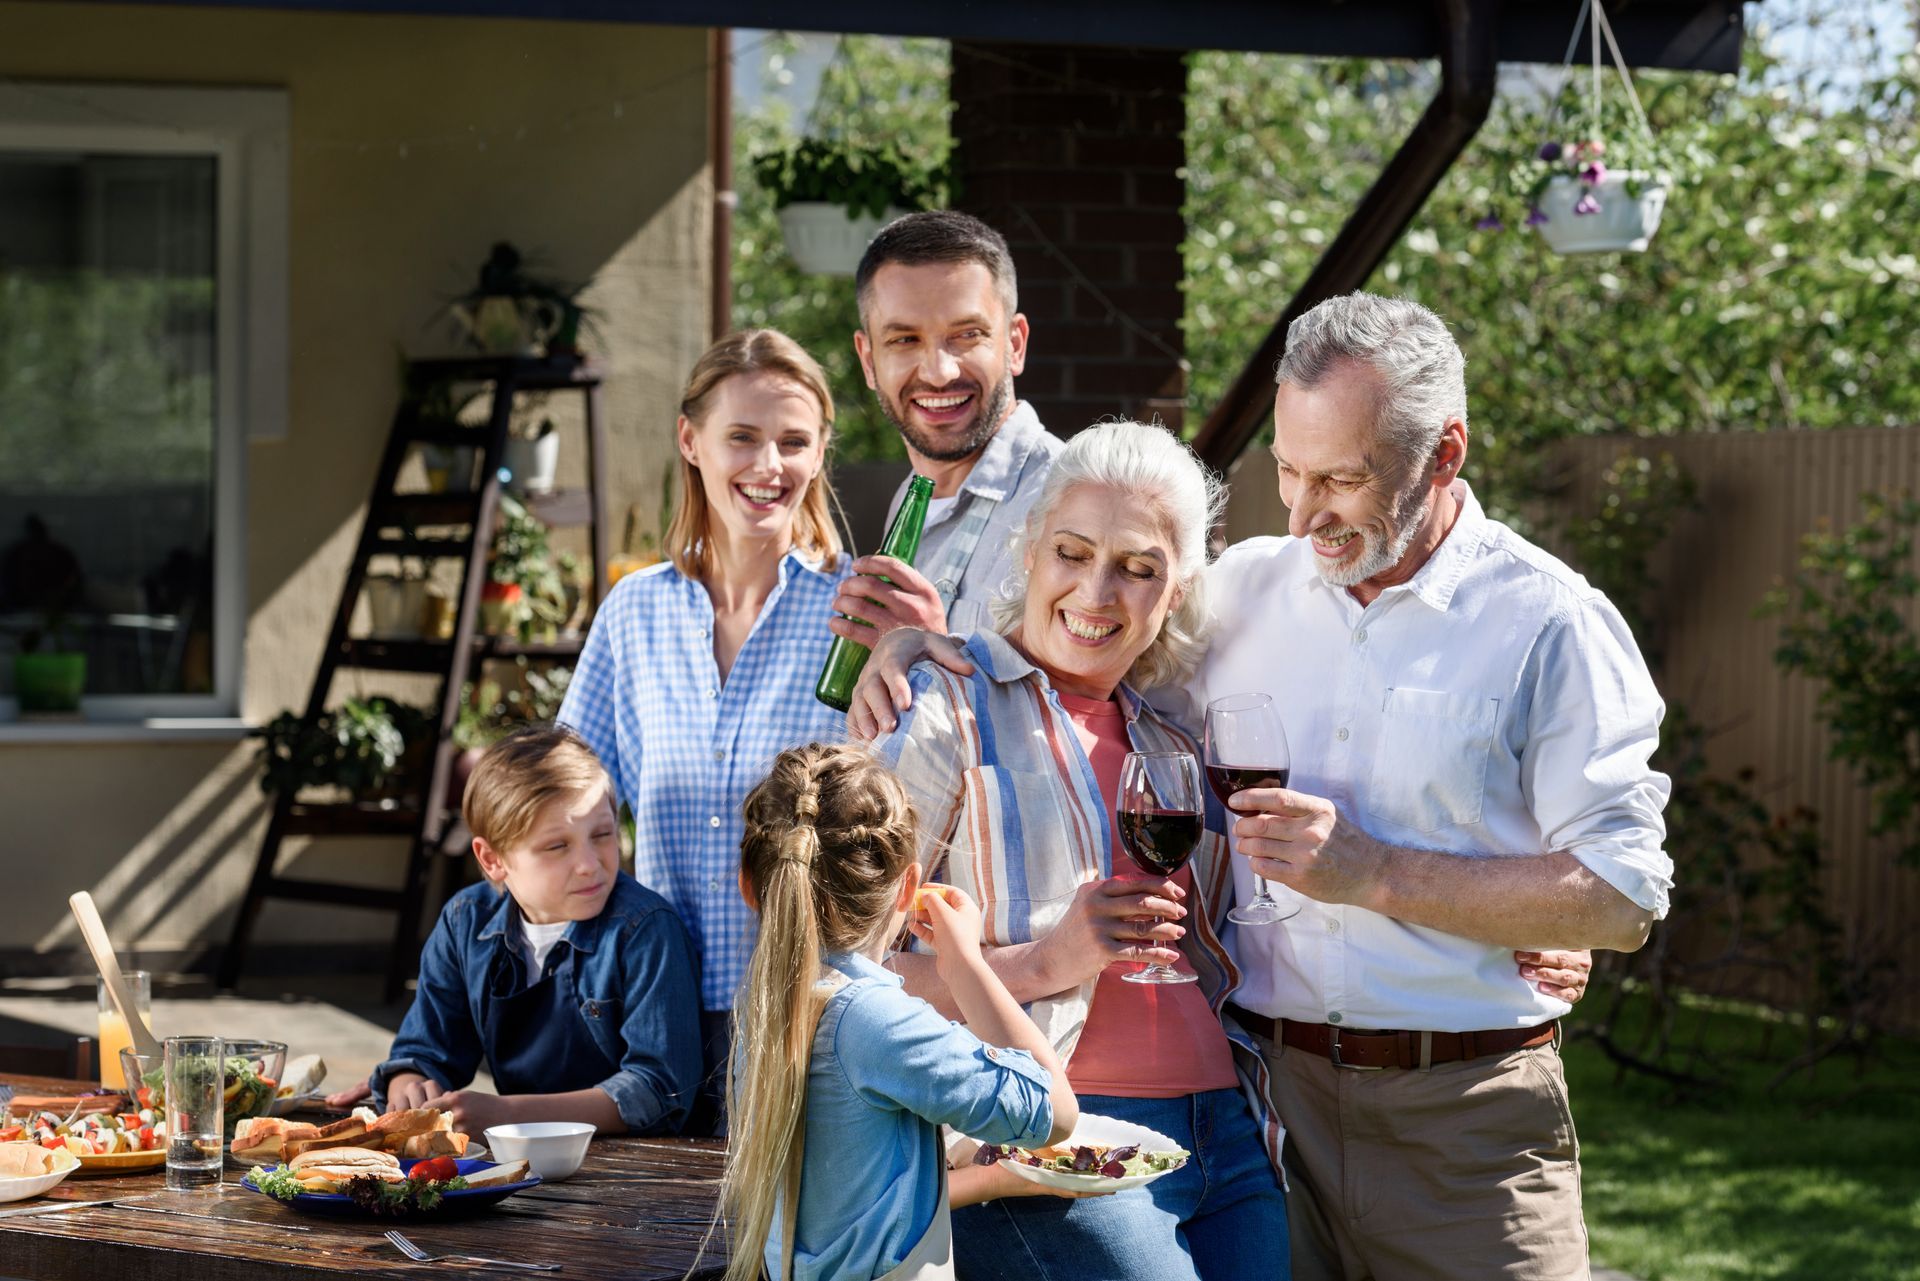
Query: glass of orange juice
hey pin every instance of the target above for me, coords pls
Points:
(114, 1033)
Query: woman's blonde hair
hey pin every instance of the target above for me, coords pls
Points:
(1153, 467)
(751, 351)
(830, 833)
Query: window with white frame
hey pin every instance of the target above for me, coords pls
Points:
(142, 344)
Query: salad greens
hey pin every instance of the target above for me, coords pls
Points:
(277, 1183)
(1086, 1158)
(374, 1195)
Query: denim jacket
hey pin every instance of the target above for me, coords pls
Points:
(635, 988)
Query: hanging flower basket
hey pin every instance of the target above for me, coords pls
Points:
(828, 239)
(1583, 195)
(1619, 213)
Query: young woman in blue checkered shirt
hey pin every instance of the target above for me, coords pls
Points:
(700, 670)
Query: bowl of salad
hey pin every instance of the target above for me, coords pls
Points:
(252, 1079)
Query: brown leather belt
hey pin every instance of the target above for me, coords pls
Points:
(1370, 1051)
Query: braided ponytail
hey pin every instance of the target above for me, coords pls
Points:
(829, 835)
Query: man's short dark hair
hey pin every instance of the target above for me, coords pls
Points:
(938, 235)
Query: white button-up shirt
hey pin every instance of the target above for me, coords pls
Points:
(1495, 705)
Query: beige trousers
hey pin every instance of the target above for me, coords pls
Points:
(1465, 1170)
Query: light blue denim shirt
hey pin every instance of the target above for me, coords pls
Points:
(887, 1072)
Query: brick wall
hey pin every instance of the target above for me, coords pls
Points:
(1073, 154)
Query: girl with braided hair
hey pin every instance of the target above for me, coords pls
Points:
(830, 1048)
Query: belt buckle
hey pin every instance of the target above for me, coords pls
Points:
(1333, 1054)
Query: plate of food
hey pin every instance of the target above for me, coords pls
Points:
(1102, 1154)
(361, 1183)
(102, 1142)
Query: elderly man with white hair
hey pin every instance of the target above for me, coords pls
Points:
(1471, 727)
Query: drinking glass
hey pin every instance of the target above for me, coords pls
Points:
(196, 1080)
(1160, 819)
(115, 1036)
(1247, 747)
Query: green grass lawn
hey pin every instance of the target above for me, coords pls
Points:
(1819, 1179)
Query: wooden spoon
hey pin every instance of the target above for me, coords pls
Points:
(94, 931)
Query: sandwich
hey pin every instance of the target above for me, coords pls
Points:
(331, 1169)
(342, 1133)
(265, 1138)
(498, 1175)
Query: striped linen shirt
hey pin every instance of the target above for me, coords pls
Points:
(1011, 813)
(684, 748)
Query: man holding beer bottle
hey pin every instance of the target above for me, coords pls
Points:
(941, 339)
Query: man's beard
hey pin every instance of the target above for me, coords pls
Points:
(1409, 513)
(986, 420)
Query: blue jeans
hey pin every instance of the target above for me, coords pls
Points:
(1221, 1217)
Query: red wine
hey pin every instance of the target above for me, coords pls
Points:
(1160, 840)
(1225, 780)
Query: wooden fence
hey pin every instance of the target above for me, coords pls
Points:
(1758, 493)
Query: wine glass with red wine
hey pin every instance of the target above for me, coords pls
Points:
(1246, 748)
(1160, 819)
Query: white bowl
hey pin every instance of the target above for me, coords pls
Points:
(555, 1149)
(18, 1187)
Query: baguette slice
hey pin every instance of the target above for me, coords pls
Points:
(408, 1121)
(498, 1175)
(343, 1133)
(433, 1143)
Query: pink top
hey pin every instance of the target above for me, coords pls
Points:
(1142, 1040)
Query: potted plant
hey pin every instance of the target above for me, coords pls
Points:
(525, 592)
(439, 402)
(490, 709)
(833, 195)
(1597, 181)
(49, 681)
(510, 312)
(398, 602)
(533, 458)
(370, 749)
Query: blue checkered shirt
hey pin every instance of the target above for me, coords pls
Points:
(684, 749)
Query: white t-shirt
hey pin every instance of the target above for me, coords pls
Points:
(1494, 705)
(537, 942)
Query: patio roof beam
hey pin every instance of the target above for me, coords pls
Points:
(1701, 35)
(1468, 69)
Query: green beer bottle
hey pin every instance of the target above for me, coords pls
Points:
(902, 542)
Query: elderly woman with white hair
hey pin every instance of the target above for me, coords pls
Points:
(1015, 771)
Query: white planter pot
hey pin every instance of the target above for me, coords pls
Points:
(531, 464)
(398, 607)
(822, 238)
(1625, 222)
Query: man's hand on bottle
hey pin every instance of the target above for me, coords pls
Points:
(909, 600)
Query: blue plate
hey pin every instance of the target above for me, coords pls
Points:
(340, 1206)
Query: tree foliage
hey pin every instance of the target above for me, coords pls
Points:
(1765, 300)
(879, 93)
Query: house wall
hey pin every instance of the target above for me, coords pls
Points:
(415, 143)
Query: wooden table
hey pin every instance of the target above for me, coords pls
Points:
(637, 1210)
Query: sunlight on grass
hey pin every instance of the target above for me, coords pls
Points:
(1819, 1179)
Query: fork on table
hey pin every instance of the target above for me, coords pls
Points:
(418, 1255)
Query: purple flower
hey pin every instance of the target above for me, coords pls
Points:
(1549, 151)
(1490, 223)
(1594, 174)
(1586, 205)
(1535, 217)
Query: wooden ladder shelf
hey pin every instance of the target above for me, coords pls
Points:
(465, 523)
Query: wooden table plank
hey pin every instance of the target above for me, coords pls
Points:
(638, 1210)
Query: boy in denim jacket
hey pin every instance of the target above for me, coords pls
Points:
(577, 985)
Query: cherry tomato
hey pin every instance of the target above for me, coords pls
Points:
(145, 1095)
(146, 1139)
(437, 1169)
(9, 1133)
(54, 1144)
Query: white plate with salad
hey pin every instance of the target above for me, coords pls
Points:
(1103, 1154)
